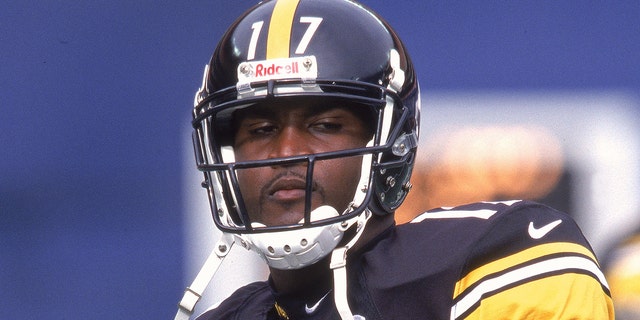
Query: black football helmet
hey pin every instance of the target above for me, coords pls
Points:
(285, 50)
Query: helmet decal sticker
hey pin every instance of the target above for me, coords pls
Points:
(256, 27)
(314, 23)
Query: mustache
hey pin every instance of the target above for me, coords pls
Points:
(287, 174)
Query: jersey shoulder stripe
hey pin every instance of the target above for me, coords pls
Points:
(524, 257)
(564, 295)
(525, 267)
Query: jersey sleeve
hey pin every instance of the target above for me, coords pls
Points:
(532, 262)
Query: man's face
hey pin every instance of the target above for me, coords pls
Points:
(275, 195)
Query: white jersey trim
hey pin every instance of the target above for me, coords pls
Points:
(482, 214)
(451, 213)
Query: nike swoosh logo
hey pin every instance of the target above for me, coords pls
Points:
(312, 309)
(537, 233)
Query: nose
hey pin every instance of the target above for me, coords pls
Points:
(290, 141)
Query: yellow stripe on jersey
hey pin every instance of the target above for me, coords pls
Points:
(527, 269)
(565, 296)
(279, 37)
(519, 258)
(530, 273)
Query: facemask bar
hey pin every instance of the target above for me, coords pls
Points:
(222, 180)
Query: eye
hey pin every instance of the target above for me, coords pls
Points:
(328, 124)
(254, 129)
(262, 128)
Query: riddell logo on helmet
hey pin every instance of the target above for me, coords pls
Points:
(297, 67)
(263, 70)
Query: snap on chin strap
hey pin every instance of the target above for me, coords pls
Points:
(339, 266)
(194, 292)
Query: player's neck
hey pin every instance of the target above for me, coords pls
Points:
(300, 280)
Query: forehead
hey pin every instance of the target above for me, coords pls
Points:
(301, 107)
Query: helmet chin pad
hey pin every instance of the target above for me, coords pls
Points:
(295, 249)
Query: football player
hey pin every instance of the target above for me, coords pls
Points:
(306, 128)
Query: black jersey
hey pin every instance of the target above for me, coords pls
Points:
(489, 260)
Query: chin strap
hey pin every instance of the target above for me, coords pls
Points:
(339, 267)
(194, 292)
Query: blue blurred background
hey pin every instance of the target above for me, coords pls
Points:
(95, 101)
